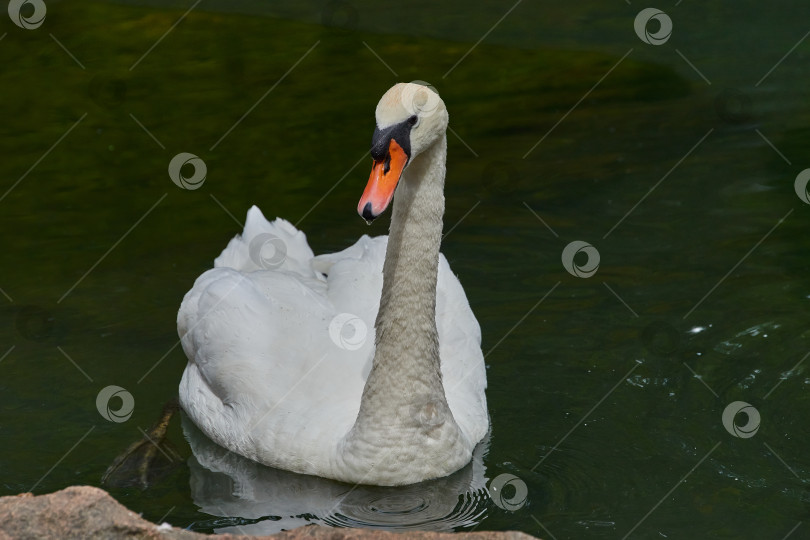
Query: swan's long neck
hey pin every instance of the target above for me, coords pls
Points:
(406, 373)
(407, 342)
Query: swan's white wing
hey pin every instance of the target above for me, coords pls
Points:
(463, 370)
(264, 378)
(270, 376)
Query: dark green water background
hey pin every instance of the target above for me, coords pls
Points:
(676, 162)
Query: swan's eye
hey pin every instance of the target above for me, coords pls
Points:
(413, 120)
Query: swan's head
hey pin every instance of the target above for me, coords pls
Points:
(410, 118)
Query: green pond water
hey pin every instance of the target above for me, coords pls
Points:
(677, 162)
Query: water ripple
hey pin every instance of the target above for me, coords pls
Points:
(249, 498)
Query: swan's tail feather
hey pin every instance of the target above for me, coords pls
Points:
(265, 245)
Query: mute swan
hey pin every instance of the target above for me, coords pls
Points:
(279, 370)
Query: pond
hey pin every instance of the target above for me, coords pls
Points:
(627, 209)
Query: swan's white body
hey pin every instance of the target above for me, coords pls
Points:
(288, 367)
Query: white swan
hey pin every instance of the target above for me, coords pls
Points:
(279, 370)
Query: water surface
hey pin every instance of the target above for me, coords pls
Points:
(676, 162)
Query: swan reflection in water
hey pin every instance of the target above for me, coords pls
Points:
(260, 500)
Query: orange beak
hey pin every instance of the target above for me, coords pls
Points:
(382, 183)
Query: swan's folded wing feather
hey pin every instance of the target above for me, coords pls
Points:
(266, 377)
(364, 249)
(265, 245)
(355, 278)
(463, 368)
